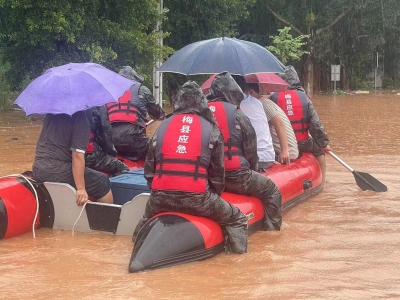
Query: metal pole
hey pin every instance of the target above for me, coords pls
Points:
(376, 70)
(161, 42)
(157, 76)
(334, 80)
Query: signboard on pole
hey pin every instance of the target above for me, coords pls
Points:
(335, 72)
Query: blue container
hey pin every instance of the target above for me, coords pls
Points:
(128, 185)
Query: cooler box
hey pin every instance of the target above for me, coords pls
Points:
(128, 185)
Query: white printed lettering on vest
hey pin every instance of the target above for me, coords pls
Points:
(187, 119)
(212, 108)
(183, 139)
(181, 149)
(289, 106)
(185, 129)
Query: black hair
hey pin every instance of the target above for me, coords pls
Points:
(253, 86)
(240, 81)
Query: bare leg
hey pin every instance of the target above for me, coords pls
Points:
(322, 163)
(108, 198)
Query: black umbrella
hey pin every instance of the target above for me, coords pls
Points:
(222, 54)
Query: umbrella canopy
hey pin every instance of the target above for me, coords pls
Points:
(268, 82)
(73, 87)
(222, 54)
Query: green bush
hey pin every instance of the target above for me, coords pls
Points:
(389, 83)
(357, 83)
(7, 98)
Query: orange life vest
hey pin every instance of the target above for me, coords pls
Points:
(225, 114)
(126, 110)
(295, 106)
(182, 154)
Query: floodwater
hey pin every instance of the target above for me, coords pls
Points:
(340, 244)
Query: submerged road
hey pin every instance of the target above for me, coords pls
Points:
(340, 244)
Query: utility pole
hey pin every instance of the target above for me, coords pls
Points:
(376, 69)
(157, 76)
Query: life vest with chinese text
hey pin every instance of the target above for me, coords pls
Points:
(225, 114)
(182, 154)
(126, 110)
(295, 106)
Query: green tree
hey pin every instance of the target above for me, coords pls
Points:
(345, 32)
(286, 47)
(39, 34)
(190, 21)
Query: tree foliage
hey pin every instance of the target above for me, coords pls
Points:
(287, 48)
(39, 34)
(345, 32)
(190, 21)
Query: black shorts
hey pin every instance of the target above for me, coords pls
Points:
(310, 146)
(97, 184)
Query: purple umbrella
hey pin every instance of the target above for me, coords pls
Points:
(73, 87)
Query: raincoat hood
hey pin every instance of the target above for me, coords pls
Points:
(190, 99)
(291, 77)
(225, 88)
(131, 74)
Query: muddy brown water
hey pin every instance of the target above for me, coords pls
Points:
(340, 244)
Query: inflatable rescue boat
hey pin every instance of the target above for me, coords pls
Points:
(26, 205)
(168, 238)
(175, 238)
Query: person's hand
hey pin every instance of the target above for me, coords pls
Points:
(326, 149)
(81, 197)
(262, 170)
(284, 157)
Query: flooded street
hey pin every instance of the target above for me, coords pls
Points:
(342, 243)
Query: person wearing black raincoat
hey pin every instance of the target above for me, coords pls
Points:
(308, 129)
(100, 153)
(184, 168)
(128, 117)
(241, 160)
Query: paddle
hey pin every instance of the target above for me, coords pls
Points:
(152, 121)
(364, 180)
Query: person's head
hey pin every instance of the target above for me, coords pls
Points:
(131, 74)
(240, 81)
(291, 77)
(172, 92)
(225, 88)
(252, 89)
(190, 99)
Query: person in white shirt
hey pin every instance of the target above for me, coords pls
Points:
(283, 138)
(254, 110)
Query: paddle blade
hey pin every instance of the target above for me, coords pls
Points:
(367, 182)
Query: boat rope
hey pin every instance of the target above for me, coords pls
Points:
(83, 208)
(36, 197)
